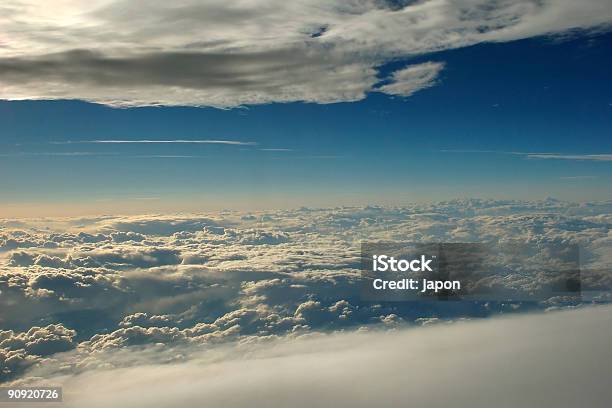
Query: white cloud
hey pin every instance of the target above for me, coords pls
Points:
(176, 141)
(577, 178)
(539, 155)
(558, 359)
(580, 157)
(407, 81)
(219, 54)
(208, 278)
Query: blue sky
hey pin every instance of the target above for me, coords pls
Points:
(523, 119)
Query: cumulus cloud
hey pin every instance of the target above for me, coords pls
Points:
(217, 54)
(19, 351)
(40, 341)
(558, 359)
(202, 279)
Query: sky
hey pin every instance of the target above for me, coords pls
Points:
(132, 126)
(107, 108)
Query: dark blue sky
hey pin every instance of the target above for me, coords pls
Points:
(479, 132)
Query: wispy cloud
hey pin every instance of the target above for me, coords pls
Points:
(63, 154)
(166, 156)
(276, 150)
(311, 157)
(150, 141)
(578, 177)
(105, 155)
(590, 157)
(477, 151)
(142, 198)
(538, 155)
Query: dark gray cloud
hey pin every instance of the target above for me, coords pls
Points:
(241, 77)
(239, 71)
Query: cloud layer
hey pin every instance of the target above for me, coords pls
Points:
(559, 359)
(219, 54)
(103, 284)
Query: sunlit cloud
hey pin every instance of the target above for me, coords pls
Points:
(561, 352)
(225, 276)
